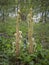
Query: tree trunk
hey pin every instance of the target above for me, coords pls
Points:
(3, 16)
(45, 17)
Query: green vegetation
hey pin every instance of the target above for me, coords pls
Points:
(41, 56)
(8, 29)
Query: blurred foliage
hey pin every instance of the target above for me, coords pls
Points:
(8, 29)
(41, 32)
